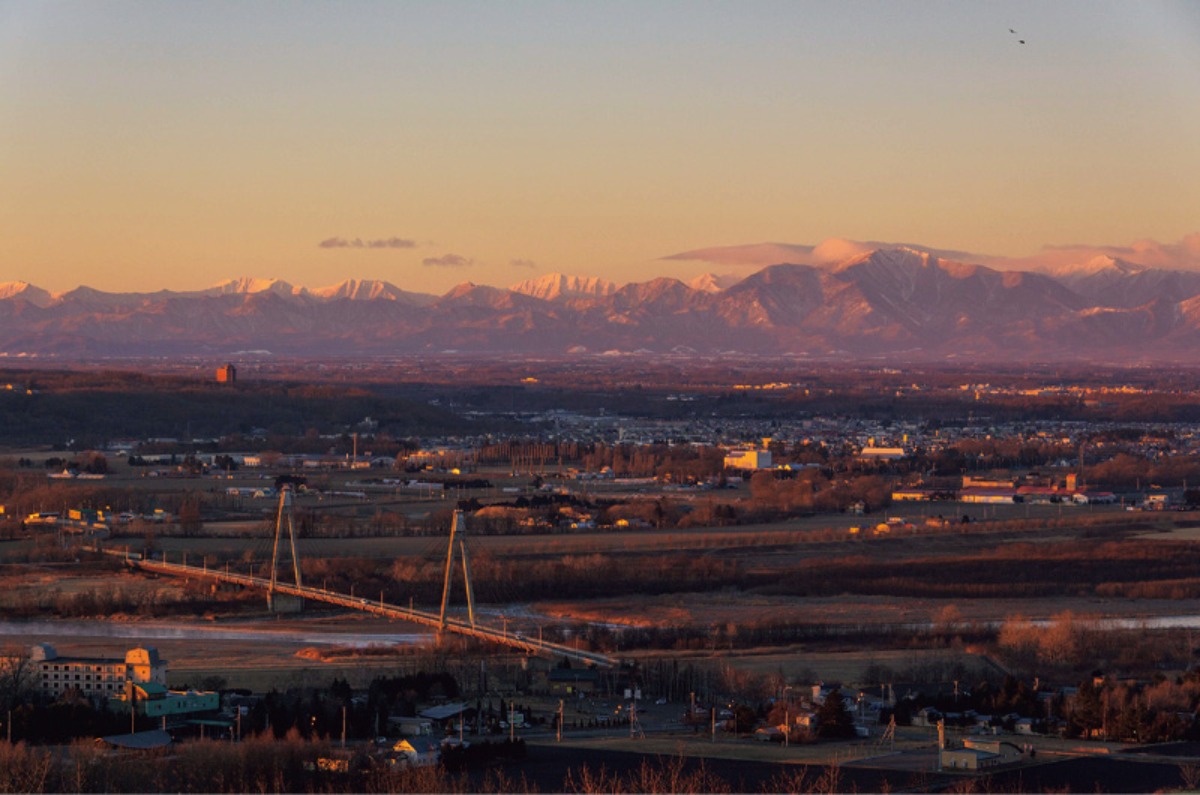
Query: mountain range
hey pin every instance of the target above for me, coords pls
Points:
(897, 303)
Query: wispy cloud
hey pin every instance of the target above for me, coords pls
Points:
(1183, 254)
(527, 264)
(448, 261)
(831, 250)
(358, 242)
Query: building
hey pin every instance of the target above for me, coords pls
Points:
(748, 459)
(881, 453)
(572, 681)
(94, 677)
(988, 496)
(968, 759)
(156, 701)
(227, 374)
(417, 751)
(913, 495)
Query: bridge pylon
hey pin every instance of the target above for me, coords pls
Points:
(281, 602)
(458, 532)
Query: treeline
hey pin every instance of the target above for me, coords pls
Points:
(1012, 571)
(265, 764)
(73, 407)
(499, 579)
(128, 596)
(1069, 645)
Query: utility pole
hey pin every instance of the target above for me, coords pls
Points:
(131, 691)
(343, 726)
(787, 715)
(560, 720)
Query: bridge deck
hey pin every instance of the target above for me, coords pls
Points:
(381, 608)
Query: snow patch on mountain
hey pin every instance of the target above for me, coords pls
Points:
(25, 291)
(558, 287)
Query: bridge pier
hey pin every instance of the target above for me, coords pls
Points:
(284, 602)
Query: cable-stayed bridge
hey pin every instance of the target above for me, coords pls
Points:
(275, 587)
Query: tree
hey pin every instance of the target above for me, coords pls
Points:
(17, 678)
(189, 515)
(834, 721)
(1087, 710)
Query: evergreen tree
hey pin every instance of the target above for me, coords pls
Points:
(834, 721)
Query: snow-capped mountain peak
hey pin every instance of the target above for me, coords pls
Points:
(245, 285)
(25, 291)
(558, 286)
(713, 283)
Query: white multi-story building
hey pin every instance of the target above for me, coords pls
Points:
(94, 676)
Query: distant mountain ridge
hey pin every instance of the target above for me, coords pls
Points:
(897, 302)
(556, 286)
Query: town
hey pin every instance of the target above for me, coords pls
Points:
(792, 582)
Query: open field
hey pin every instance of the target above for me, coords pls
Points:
(711, 585)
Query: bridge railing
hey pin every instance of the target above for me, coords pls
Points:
(377, 607)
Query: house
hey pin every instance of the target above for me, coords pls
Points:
(418, 751)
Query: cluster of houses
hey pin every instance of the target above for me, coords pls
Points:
(1030, 489)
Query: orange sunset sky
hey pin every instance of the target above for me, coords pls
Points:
(149, 145)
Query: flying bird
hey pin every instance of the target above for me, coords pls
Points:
(1013, 32)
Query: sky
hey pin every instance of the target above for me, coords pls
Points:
(149, 145)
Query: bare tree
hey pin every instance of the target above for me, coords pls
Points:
(17, 677)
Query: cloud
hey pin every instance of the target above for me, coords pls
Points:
(831, 250)
(358, 242)
(755, 254)
(527, 264)
(448, 261)
(1183, 255)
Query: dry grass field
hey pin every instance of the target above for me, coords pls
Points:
(779, 561)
